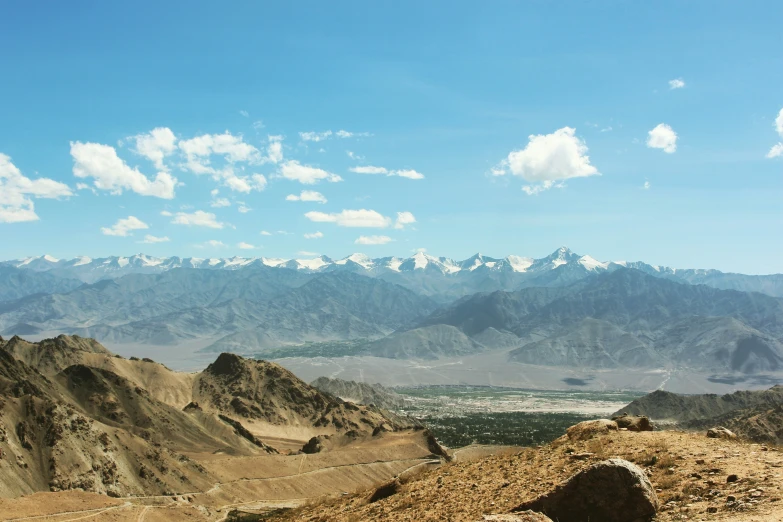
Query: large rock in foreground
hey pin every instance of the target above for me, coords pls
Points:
(610, 491)
(589, 429)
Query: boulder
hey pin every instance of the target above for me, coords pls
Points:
(633, 422)
(527, 516)
(721, 433)
(613, 490)
(385, 491)
(315, 444)
(589, 429)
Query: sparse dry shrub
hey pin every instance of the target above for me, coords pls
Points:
(667, 482)
(665, 461)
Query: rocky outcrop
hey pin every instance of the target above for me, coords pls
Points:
(589, 429)
(720, 433)
(633, 422)
(614, 490)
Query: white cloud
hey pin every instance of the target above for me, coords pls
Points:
(100, 162)
(346, 134)
(153, 239)
(662, 137)
(305, 174)
(244, 113)
(369, 169)
(307, 195)
(232, 148)
(156, 145)
(258, 124)
(404, 218)
(220, 202)
(407, 173)
(166, 213)
(420, 250)
(354, 156)
(646, 185)
(352, 218)
(246, 246)
(315, 136)
(677, 83)
(403, 173)
(548, 158)
(532, 190)
(214, 243)
(265, 233)
(258, 182)
(199, 151)
(777, 149)
(373, 240)
(198, 218)
(607, 129)
(314, 235)
(243, 209)
(306, 253)
(17, 191)
(275, 149)
(124, 227)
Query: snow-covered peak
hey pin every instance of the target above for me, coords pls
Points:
(314, 263)
(51, 259)
(592, 264)
(360, 259)
(519, 264)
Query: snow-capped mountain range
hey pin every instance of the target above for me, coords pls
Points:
(89, 270)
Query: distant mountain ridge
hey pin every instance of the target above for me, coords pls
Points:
(439, 277)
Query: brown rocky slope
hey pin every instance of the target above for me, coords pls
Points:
(73, 415)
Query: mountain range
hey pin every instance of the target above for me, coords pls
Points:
(440, 278)
(561, 310)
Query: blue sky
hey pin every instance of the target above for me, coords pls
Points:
(560, 98)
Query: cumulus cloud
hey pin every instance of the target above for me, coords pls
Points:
(373, 240)
(232, 148)
(662, 137)
(17, 192)
(154, 239)
(243, 209)
(245, 246)
(314, 235)
(548, 159)
(777, 149)
(213, 243)
(404, 218)
(307, 195)
(305, 174)
(198, 218)
(124, 227)
(352, 218)
(306, 253)
(220, 202)
(677, 83)
(109, 172)
(156, 145)
(404, 173)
